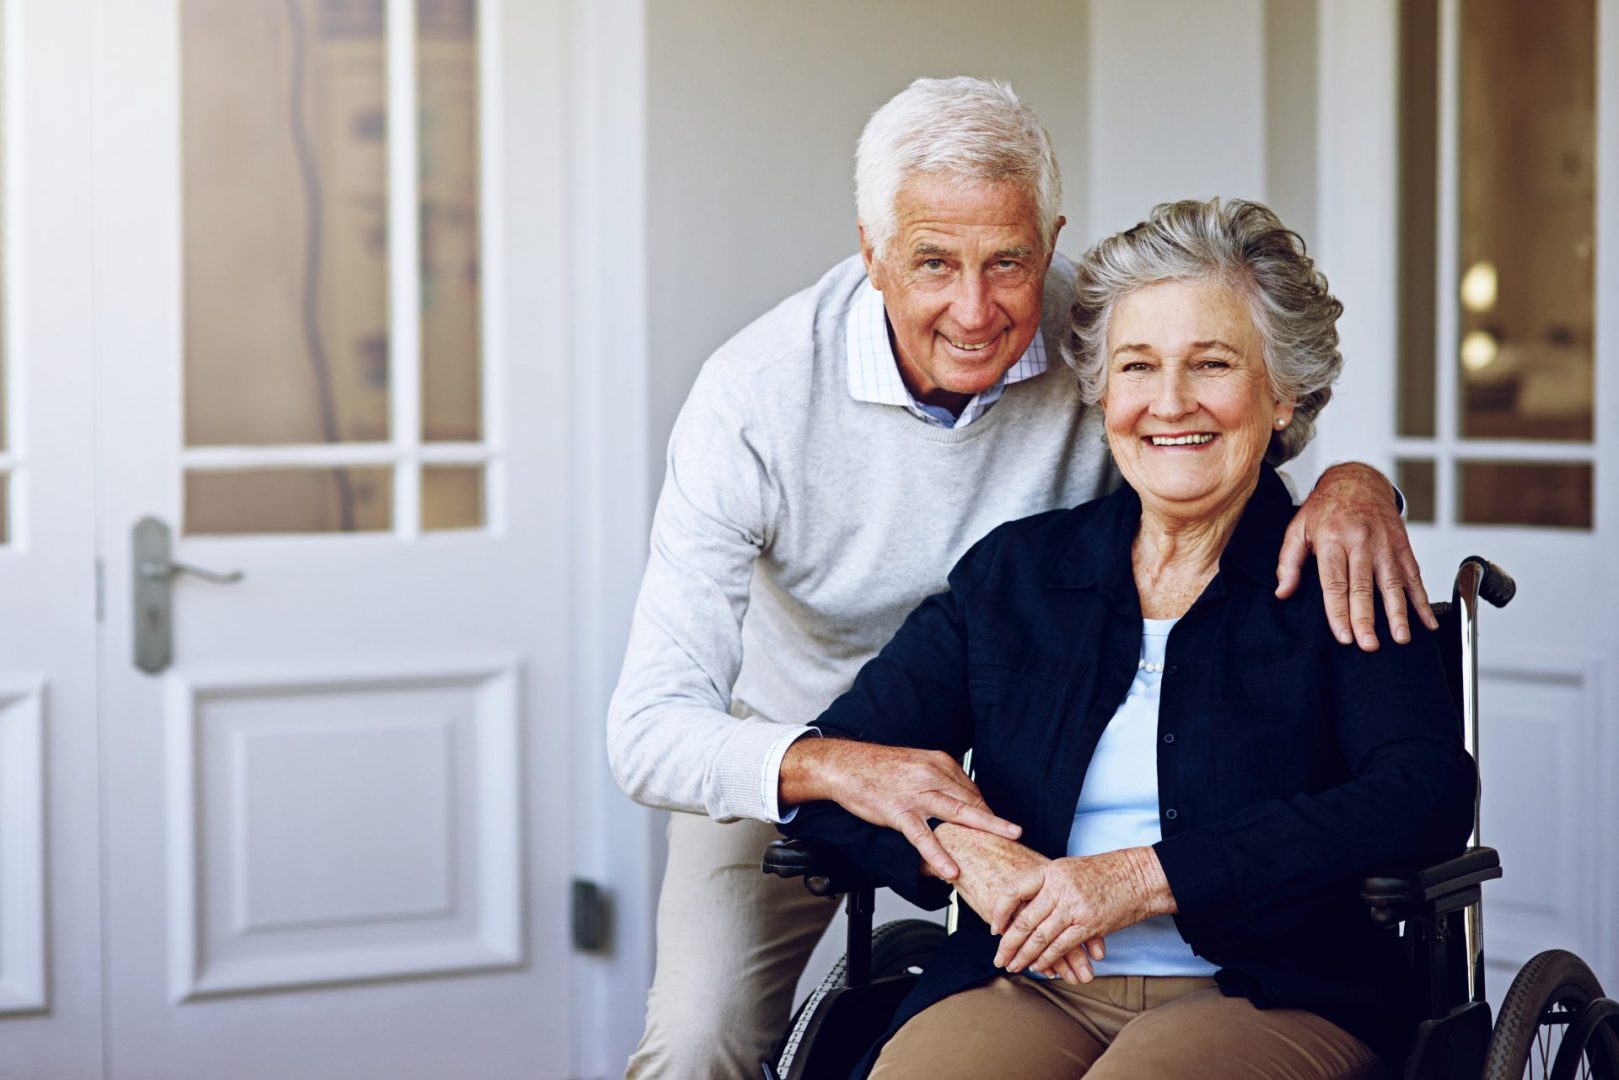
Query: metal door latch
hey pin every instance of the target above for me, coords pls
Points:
(592, 916)
(154, 600)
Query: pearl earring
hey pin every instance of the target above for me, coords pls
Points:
(1280, 423)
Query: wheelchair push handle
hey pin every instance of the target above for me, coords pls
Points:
(1487, 581)
(825, 872)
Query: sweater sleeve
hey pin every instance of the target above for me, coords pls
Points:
(912, 693)
(671, 739)
(1409, 797)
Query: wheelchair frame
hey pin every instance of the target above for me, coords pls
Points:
(1438, 911)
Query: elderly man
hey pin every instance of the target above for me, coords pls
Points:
(832, 462)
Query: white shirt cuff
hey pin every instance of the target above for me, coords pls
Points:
(770, 775)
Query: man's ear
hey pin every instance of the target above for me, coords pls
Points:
(1051, 248)
(870, 256)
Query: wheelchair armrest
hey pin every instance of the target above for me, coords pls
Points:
(824, 870)
(1393, 894)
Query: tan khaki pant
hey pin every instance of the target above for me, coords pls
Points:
(732, 943)
(1119, 1027)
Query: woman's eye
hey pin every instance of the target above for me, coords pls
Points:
(1213, 365)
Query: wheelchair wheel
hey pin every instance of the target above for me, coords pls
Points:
(903, 946)
(837, 1023)
(1547, 1027)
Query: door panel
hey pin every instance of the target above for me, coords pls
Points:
(318, 864)
(398, 854)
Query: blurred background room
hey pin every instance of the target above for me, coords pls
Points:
(341, 342)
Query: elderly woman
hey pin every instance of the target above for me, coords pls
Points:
(1200, 769)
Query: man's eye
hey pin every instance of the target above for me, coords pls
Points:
(933, 264)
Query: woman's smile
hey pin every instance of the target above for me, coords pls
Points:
(1191, 440)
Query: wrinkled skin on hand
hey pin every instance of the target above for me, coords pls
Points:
(1362, 551)
(1054, 910)
(993, 870)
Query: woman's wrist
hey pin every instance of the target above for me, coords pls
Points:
(1152, 886)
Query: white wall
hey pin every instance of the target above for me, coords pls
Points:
(1176, 104)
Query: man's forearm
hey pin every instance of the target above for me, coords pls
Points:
(808, 771)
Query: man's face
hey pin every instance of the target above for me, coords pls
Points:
(961, 279)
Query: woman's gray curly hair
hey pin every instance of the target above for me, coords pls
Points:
(1237, 242)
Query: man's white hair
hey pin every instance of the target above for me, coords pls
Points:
(971, 129)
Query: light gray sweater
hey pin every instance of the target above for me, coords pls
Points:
(796, 529)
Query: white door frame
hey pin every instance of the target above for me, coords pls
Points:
(617, 842)
(1357, 167)
(50, 819)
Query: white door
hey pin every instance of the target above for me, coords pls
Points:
(50, 979)
(1471, 196)
(336, 829)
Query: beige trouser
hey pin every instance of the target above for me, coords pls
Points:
(1118, 1027)
(732, 943)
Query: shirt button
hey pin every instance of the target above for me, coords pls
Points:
(1169, 737)
(1171, 814)
(1171, 669)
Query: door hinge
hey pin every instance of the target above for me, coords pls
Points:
(101, 590)
(591, 913)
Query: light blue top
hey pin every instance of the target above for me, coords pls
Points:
(1118, 808)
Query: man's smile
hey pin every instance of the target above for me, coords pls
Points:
(972, 346)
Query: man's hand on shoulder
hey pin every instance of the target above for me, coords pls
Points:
(1352, 523)
(895, 787)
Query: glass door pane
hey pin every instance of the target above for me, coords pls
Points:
(1527, 236)
(447, 148)
(285, 191)
(223, 502)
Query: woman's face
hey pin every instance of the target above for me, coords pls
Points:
(1188, 406)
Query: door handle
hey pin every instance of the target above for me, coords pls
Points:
(155, 571)
(159, 571)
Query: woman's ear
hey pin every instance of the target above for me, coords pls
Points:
(1283, 415)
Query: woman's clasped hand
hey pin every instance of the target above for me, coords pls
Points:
(1050, 915)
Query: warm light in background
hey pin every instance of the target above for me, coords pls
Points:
(1480, 287)
(1479, 350)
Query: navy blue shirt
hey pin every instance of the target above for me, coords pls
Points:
(1288, 764)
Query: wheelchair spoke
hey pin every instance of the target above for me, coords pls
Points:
(1548, 1040)
(1545, 1049)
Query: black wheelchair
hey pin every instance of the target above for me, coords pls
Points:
(1555, 1021)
